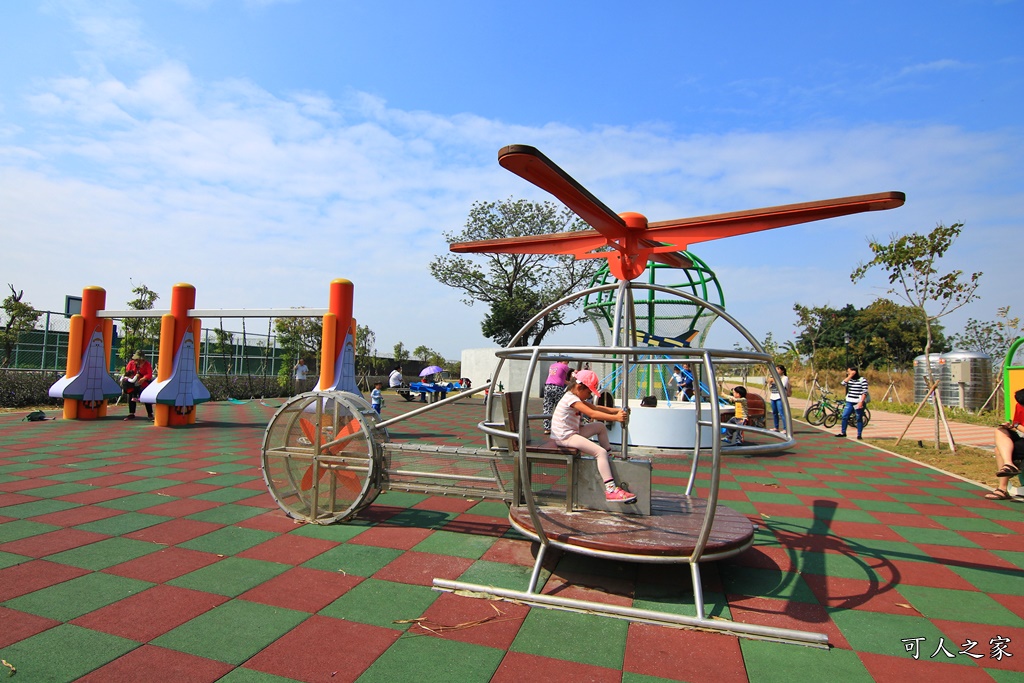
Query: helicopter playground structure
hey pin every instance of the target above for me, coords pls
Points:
(326, 455)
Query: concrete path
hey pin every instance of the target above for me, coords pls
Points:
(890, 425)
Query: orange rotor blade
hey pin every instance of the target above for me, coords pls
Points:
(530, 164)
(686, 231)
(578, 242)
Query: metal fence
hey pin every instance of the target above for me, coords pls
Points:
(241, 352)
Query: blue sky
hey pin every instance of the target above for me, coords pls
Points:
(259, 149)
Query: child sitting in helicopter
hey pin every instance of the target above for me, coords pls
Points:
(566, 430)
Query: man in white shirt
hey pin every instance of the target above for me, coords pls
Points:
(301, 370)
(395, 378)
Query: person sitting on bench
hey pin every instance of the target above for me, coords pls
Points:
(567, 432)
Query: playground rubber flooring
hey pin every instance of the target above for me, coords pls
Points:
(133, 553)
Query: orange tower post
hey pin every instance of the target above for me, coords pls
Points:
(338, 357)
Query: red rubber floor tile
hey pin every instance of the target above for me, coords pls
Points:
(302, 589)
(77, 516)
(681, 654)
(275, 521)
(15, 626)
(35, 575)
(501, 620)
(52, 542)
(507, 551)
(180, 508)
(907, 572)
(174, 531)
(798, 616)
(833, 591)
(151, 613)
(324, 649)
(478, 524)
(897, 669)
(163, 565)
(519, 666)
(97, 495)
(158, 665)
(420, 569)
(186, 490)
(445, 504)
(397, 537)
(288, 549)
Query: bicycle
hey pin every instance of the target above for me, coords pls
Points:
(828, 410)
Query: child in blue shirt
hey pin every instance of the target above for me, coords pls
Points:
(376, 398)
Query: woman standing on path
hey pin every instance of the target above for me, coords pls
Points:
(775, 393)
(856, 397)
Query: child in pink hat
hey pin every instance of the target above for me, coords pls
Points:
(566, 430)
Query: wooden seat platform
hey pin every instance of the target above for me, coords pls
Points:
(667, 535)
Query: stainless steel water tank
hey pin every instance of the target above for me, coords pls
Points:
(974, 369)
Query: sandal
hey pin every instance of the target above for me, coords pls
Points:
(998, 494)
(1008, 471)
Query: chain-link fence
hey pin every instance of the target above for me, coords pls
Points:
(221, 352)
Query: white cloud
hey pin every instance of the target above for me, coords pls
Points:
(261, 199)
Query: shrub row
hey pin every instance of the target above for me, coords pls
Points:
(23, 388)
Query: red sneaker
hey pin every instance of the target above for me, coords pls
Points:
(617, 495)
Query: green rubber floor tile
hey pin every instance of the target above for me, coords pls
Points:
(1011, 556)
(165, 462)
(813, 491)
(36, 508)
(10, 559)
(423, 519)
(226, 514)
(145, 485)
(489, 509)
(776, 498)
(924, 535)
(155, 471)
(230, 540)
(885, 506)
(242, 675)
(972, 524)
(783, 477)
(225, 457)
(995, 580)
(137, 502)
(71, 599)
(843, 514)
(957, 605)
(470, 546)
(840, 565)
(232, 632)
(75, 475)
(893, 550)
(228, 495)
(582, 638)
(231, 576)
(424, 659)
(919, 499)
(65, 653)
(382, 603)
(1004, 676)
(105, 553)
(18, 467)
(749, 479)
(23, 528)
(882, 633)
(513, 577)
(999, 514)
(233, 467)
(678, 599)
(354, 559)
(123, 524)
(770, 662)
(765, 583)
(763, 536)
(226, 480)
(841, 486)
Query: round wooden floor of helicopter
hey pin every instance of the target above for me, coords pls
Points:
(669, 534)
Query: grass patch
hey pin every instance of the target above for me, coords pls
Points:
(976, 464)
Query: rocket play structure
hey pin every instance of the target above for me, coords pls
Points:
(87, 385)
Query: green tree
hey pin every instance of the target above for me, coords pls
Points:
(890, 335)
(21, 317)
(400, 353)
(224, 348)
(516, 287)
(910, 262)
(993, 338)
(140, 334)
(298, 338)
(421, 352)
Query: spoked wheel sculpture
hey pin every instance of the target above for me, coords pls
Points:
(323, 456)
